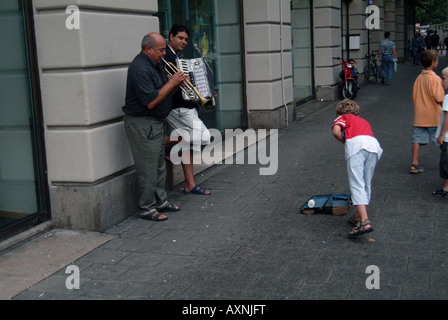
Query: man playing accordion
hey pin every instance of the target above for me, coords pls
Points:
(184, 115)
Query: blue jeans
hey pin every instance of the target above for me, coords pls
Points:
(416, 57)
(387, 67)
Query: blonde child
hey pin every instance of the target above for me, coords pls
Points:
(362, 152)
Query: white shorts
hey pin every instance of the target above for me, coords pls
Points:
(360, 169)
(187, 124)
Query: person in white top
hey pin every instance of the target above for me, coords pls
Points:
(442, 139)
(362, 152)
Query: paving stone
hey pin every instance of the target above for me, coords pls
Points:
(249, 240)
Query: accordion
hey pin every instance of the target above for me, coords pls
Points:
(201, 78)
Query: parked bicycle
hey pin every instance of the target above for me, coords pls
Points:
(349, 85)
(371, 69)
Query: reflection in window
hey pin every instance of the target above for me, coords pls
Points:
(302, 49)
(18, 183)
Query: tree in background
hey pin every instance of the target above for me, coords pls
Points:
(433, 12)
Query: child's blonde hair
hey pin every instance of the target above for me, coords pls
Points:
(347, 106)
(445, 72)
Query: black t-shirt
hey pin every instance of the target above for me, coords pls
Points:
(435, 38)
(145, 78)
(178, 100)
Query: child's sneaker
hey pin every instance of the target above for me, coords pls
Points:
(440, 193)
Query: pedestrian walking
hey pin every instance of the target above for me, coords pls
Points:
(386, 56)
(445, 46)
(435, 41)
(417, 46)
(362, 152)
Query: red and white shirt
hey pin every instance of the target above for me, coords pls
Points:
(358, 135)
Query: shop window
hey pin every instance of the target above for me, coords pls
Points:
(302, 50)
(20, 185)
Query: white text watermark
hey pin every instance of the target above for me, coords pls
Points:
(73, 20)
(373, 281)
(73, 280)
(373, 19)
(236, 142)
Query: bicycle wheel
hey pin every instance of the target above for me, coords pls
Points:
(376, 73)
(371, 73)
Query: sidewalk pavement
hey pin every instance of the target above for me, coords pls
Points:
(249, 240)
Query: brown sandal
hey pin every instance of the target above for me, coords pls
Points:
(354, 220)
(415, 168)
(361, 228)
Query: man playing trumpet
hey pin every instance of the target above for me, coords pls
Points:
(148, 103)
(184, 114)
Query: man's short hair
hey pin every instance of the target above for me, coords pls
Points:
(175, 29)
(148, 40)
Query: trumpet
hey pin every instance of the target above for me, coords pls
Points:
(189, 89)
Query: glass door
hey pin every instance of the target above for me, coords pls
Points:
(302, 50)
(21, 192)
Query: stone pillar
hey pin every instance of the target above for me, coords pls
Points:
(400, 32)
(83, 82)
(267, 29)
(327, 44)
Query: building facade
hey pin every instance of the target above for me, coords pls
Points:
(64, 153)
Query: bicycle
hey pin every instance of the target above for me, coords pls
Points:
(349, 85)
(371, 69)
